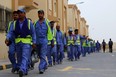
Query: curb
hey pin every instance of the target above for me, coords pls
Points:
(8, 66)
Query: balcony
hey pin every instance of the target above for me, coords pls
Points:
(28, 4)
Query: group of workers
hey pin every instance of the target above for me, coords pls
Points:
(23, 37)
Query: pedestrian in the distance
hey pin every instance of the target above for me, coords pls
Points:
(104, 45)
(110, 45)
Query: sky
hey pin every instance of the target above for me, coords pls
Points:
(100, 16)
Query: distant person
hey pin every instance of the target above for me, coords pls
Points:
(97, 46)
(110, 45)
(104, 45)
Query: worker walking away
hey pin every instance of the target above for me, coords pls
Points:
(97, 46)
(104, 46)
(110, 46)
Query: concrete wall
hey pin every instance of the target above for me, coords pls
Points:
(3, 47)
(33, 13)
(6, 3)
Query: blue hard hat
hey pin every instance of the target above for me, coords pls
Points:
(21, 10)
(70, 30)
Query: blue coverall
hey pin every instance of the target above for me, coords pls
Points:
(52, 51)
(12, 51)
(23, 49)
(42, 42)
(60, 46)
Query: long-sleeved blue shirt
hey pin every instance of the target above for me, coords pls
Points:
(59, 38)
(76, 37)
(41, 32)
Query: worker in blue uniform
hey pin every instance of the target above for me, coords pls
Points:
(43, 35)
(84, 47)
(97, 46)
(52, 53)
(94, 46)
(77, 44)
(70, 45)
(60, 44)
(12, 52)
(24, 33)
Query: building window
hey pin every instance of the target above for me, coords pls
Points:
(6, 16)
(1, 19)
(50, 4)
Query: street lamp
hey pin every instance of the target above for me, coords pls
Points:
(80, 3)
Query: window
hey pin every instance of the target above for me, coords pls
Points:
(6, 16)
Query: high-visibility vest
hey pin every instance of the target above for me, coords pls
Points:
(94, 44)
(84, 43)
(49, 33)
(27, 40)
(70, 40)
(89, 44)
(78, 40)
(9, 26)
(54, 37)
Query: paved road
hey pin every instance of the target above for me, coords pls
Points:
(94, 65)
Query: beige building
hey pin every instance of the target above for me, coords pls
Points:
(84, 27)
(54, 10)
(73, 16)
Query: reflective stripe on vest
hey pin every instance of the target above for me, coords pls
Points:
(54, 36)
(27, 40)
(78, 40)
(70, 41)
(9, 26)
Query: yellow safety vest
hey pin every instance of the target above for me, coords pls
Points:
(70, 41)
(9, 26)
(78, 40)
(84, 43)
(54, 37)
(49, 34)
(27, 40)
(89, 44)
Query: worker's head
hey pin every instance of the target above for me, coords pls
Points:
(76, 31)
(22, 13)
(110, 39)
(70, 31)
(41, 14)
(58, 27)
(52, 23)
(15, 15)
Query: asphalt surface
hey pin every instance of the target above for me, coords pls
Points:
(94, 65)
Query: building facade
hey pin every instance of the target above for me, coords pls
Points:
(84, 28)
(55, 10)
